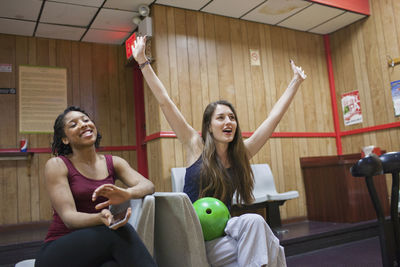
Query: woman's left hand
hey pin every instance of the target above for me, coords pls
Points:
(114, 194)
(297, 71)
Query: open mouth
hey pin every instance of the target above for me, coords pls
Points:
(87, 133)
(227, 130)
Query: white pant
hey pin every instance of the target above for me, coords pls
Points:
(248, 242)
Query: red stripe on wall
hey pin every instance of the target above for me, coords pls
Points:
(48, 150)
(371, 129)
(332, 89)
(359, 6)
(140, 121)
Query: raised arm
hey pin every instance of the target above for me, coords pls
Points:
(57, 186)
(185, 133)
(138, 186)
(265, 130)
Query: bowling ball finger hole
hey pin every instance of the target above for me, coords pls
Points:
(208, 211)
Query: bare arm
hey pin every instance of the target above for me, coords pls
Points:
(138, 186)
(61, 198)
(186, 134)
(265, 130)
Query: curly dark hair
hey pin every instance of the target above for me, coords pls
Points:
(58, 148)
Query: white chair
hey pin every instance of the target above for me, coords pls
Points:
(265, 194)
(142, 219)
(178, 179)
(178, 238)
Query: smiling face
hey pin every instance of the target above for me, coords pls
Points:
(79, 129)
(223, 124)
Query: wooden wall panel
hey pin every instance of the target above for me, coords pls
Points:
(359, 54)
(98, 80)
(202, 58)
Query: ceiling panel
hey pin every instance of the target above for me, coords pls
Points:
(18, 27)
(105, 37)
(311, 17)
(130, 5)
(20, 9)
(59, 32)
(231, 8)
(337, 23)
(67, 14)
(110, 21)
(117, 20)
(274, 11)
(188, 4)
(93, 3)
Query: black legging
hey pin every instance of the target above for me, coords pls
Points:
(94, 246)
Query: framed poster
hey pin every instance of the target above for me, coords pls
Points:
(395, 87)
(351, 107)
(42, 96)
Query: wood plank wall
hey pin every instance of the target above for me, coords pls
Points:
(359, 55)
(98, 81)
(203, 57)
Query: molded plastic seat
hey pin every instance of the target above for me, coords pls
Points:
(264, 191)
(264, 186)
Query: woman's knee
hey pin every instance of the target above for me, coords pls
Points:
(252, 218)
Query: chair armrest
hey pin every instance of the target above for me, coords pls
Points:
(179, 240)
(142, 218)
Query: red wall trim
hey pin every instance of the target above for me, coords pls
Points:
(48, 150)
(332, 89)
(371, 129)
(140, 121)
(359, 6)
(170, 134)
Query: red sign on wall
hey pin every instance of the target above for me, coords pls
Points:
(128, 45)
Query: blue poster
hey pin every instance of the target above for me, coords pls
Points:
(396, 96)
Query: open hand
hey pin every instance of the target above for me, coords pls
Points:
(139, 49)
(297, 71)
(113, 193)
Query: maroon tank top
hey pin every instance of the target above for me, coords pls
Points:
(82, 189)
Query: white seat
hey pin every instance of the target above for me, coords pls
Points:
(178, 239)
(142, 219)
(178, 179)
(264, 186)
(265, 194)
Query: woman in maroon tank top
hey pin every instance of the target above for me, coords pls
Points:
(80, 183)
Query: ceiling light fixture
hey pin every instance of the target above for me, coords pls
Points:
(136, 20)
(143, 10)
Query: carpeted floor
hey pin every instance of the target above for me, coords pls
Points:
(363, 253)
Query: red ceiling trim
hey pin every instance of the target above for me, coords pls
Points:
(358, 6)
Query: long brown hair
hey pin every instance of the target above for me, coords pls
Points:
(214, 178)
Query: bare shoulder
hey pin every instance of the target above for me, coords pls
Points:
(55, 166)
(118, 160)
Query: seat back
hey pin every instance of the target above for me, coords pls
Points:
(178, 179)
(178, 236)
(263, 180)
(142, 218)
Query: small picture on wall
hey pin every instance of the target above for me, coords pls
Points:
(351, 107)
(395, 87)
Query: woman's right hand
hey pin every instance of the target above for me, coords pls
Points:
(139, 49)
(106, 217)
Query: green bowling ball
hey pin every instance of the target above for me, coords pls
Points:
(213, 216)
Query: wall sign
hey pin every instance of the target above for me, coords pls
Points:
(395, 86)
(351, 107)
(42, 96)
